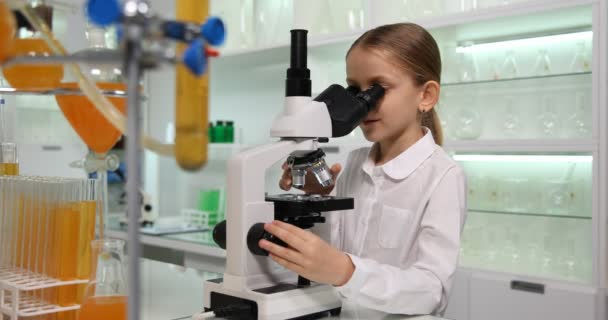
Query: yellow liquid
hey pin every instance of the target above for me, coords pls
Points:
(9, 169)
(192, 103)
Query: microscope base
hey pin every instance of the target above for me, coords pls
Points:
(283, 301)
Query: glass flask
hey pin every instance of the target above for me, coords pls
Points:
(466, 60)
(239, 21)
(29, 42)
(7, 30)
(511, 123)
(323, 19)
(98, 133)
(548, 119)
(578, 120)
(509, 66)
(580, 61)
(272, 18)
(494, 72)
(542, 66)
(422, 8)
(106, 294)
(468, 122)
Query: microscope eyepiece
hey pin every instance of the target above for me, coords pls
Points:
(371, 96)
(348, 107)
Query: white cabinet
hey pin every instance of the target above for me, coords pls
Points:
(458, 305)
(502, 297)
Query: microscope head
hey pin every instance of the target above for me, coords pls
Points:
(334, 113)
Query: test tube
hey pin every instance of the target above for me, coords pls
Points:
(192, 99)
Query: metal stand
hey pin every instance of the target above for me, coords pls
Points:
(133, 67)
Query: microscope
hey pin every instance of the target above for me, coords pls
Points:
(253, 285)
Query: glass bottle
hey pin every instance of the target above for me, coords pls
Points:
(542, 66)
(580, 61)
(220, 131)
(229, 131)
(548, 119)
(509, 66)
(105, 296)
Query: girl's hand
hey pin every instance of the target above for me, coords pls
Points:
(311, 186)
(308, 255)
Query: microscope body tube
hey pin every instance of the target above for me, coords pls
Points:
(192, 98)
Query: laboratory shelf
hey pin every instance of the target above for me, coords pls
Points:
(530, 214)
(18, 293)
(536, 146)
(491, 82)
(278, 52)
(55, 92)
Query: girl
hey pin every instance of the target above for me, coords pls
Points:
(397, 251)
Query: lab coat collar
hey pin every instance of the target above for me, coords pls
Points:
(404, 164)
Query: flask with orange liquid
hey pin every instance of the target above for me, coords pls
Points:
(99, 134)
(7, 30)
(106, 293)
(29, 43)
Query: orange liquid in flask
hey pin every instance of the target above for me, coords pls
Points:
(104, 308)
(7, 30)
(41, 76)
(99, 134)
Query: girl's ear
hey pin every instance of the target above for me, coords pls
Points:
(430, 96)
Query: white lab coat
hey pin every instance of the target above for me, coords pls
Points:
(404, 234)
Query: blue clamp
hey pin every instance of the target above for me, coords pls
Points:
(195, 57)
(214, 31)
(104, 12)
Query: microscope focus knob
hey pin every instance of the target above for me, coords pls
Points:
(257, 233)
(219, 234)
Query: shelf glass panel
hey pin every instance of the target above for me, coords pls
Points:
(541, 107)
(529, 245)
(529, 214)
(579, 75)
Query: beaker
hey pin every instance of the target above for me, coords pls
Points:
(106, 296)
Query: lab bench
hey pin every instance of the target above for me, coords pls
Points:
(175, 292)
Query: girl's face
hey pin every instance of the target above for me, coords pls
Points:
(396, 112)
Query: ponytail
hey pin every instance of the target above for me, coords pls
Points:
(430, 120)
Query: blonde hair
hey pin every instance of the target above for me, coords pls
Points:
(417, 52)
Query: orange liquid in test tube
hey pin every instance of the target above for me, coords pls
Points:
(42, 76)
(99, 134)
(68, 231)
(9, 169)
